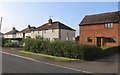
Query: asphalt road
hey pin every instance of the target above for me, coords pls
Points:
(12, 64)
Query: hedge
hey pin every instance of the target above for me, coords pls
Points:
(89, 52)
(63, 49)
(35, 45)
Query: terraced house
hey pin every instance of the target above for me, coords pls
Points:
(101, 29)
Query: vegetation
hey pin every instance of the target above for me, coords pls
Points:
(67, 49)
(61, 59)
(37, 45)
(89, 52)
(59, 48)
(111, 51)
(8, 43)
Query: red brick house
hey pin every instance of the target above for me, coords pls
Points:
(101, 29)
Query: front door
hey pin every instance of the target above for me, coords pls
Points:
(98, 41)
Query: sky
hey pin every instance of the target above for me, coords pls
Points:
(22, 14)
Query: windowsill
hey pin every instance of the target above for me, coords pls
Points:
(110, 42)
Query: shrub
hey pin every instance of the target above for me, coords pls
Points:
(56, 48)
(36, 45)
(112, 50)
(63, 49)
(2, 41)
(12, 44)
(87, 52)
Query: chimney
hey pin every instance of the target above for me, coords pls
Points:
(13, 28)
(50, 21)
(29, 26)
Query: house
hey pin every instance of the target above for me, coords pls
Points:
(11, 35)
(26, 33)
(55, 31)
(101, 29)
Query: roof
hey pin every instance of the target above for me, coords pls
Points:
(54, 25)
(27, 30)
(14, 31)
(109, 17)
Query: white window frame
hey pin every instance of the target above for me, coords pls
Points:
(108, 25)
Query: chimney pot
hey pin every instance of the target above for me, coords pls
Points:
(29, 26)
(13, 28)
(50, 21)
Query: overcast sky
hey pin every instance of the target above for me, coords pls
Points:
(20, 14)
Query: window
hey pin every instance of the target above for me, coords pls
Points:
(89, 39)
(47, 38)
(108, 25)
(113, 39)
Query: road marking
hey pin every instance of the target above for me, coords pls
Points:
(45, 62)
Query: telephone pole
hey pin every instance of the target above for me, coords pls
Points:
(1, 23)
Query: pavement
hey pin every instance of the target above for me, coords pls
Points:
(106, 65)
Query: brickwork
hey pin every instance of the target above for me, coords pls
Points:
(98, 30)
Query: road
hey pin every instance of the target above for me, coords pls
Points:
(12, 64)
(17, 62)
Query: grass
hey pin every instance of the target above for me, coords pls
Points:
(60, 59)
(106, 47)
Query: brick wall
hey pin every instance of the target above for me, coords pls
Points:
(98, 30)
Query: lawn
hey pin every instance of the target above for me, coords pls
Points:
(60, 59)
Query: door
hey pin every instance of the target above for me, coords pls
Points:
(23, 35)
(98, 41)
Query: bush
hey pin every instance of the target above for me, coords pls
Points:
(12, 44)
(111, 51)
(87, 52)
(63, 49)
(36, 45)
(2, 41)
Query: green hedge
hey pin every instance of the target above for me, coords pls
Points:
(63, 49)
(89, 52)
(35, 45)
(111, 51)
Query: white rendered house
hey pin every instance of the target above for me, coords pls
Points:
(54, 31)
(26, 33)
(11, 34)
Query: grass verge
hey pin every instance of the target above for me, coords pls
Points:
(60, 59)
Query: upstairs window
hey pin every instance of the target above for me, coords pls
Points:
(108, 25)
(89, 39)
